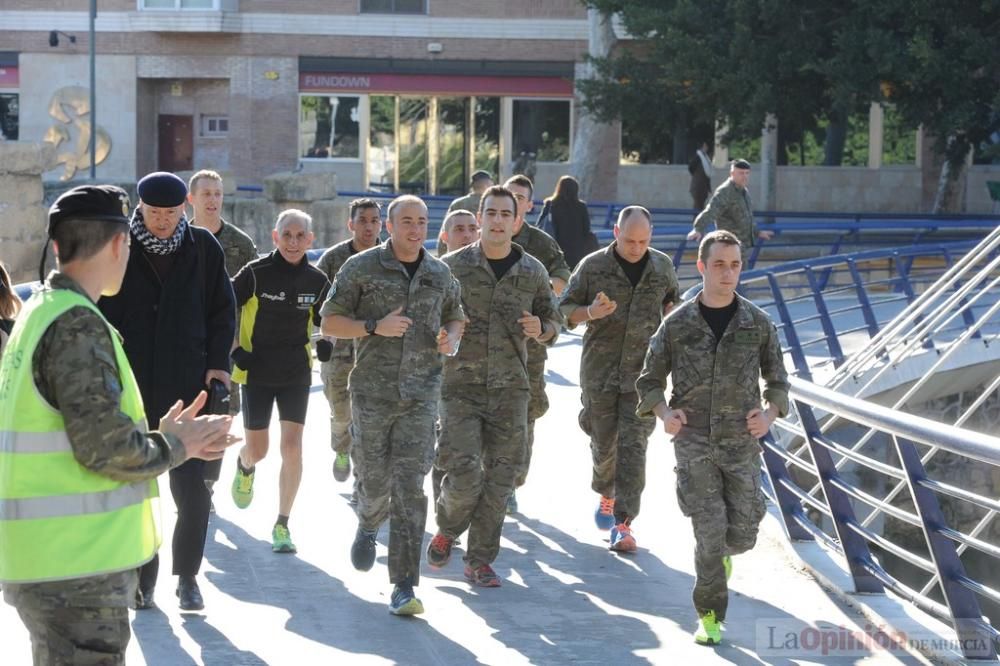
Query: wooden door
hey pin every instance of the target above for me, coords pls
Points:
(176, 143)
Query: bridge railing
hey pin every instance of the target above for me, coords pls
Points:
(927, 553)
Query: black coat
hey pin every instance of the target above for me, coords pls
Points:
(177, 330)
(571, 227)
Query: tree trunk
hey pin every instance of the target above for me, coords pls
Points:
(596, 146)
(769, 164)
(950, 195)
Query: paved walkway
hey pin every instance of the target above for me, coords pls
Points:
(565, 599)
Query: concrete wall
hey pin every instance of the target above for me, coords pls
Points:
(42, 75)
(890, 189)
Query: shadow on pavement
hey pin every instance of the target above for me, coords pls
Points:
(321, 608)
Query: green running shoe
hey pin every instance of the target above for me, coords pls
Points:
(342, 467)
(242, 488)
(281, 540)
(709, 631)
(727, 564)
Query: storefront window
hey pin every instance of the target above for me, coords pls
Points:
(328, 126)
(542, 127)
(8, 116)
(382, 143)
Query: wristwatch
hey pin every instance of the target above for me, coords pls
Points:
(370, 326)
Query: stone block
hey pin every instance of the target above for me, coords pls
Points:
(21, 157)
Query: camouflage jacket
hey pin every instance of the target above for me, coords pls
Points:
(370, 285)
(543, 247)
(614, 346)
(494, 349)
(330, 262)
(730, 209)
(715, 384)
(75, 370)
(238, 247)
(469, 202)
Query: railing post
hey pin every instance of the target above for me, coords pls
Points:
(832, 341)
(855, 546)
(788, 503)
(976, 641)
(866, 304)
(794, 347)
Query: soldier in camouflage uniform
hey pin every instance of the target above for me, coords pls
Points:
(404, 308)
(730, 209)
(484, 399)
(716, 348)
(621, 293)
(205, 194)
(480, 182)
(543, 247)
(83, 618)
(337, 356)
(458, 229)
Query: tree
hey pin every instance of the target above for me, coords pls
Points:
(939, 66)
(812, 64)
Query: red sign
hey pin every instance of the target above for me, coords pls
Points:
(436, 84)
(8, 77)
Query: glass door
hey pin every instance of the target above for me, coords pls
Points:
(411, 141)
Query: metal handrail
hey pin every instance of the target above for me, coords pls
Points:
(854, 540)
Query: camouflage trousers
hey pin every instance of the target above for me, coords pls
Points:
(618, 440)
(538, 402)
(481, 452)
(79, 622)
(718, 487)
(334, 374)
(392, 452)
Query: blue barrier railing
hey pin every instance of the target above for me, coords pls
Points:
(860, 477)
(957, 593)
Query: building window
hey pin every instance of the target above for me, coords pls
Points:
(179, 4)
(328, 126)
(393, 6)
(542, 127)
(214, 126)
(8, 116)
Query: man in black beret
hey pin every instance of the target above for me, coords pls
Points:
(78, 477)
(176, 312)
(730, 209)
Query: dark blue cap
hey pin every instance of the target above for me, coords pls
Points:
(162, 189)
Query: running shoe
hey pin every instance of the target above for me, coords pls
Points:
(342, 467)
(281, 540)
(622, 539)
(242, 488)
(404, 602)
(709, 631)
(363, 549)
(439, 551)
(605, 514)
(482, 576)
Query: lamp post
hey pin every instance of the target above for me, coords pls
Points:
(93, 95)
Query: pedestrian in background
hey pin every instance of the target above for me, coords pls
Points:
(700, 168)
(10, 305)
(570, 221)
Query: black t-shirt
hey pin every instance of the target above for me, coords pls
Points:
(412, 266)
(501, 266)
(718, 318)
(633, 271)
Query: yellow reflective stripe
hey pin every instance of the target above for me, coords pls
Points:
(78, 504)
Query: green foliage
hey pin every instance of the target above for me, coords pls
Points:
(809, 62)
